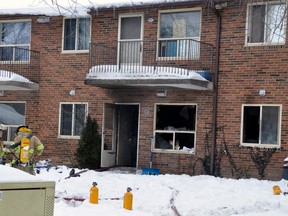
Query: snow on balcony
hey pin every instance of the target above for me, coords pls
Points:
(142, 72)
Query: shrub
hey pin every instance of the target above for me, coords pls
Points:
(88, 153)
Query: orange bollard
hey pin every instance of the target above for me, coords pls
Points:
(276, 190)
(94, 193)
(128, 199)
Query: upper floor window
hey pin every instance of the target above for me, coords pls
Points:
(175, 127)
(261, 125)
(76, 34)
(266, 23)
(15, 40)
(72, 118)
(12, 114)
(179, 33)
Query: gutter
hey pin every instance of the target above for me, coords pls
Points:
(215, 88)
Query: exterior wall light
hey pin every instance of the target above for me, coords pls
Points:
(262, 92)
(150, 20)
(72, 92)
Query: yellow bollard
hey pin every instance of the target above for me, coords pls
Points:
(128, 199)
(94, 193)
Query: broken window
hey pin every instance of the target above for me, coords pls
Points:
(175, 127)
(261, 125)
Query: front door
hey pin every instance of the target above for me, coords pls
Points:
(130, 40)
(120, 135)
(109, 129)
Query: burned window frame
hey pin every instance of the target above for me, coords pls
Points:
(260, 118)
(182, 133)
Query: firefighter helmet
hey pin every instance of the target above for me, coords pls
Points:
(21, 126)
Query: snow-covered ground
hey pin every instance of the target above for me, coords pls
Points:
(162, 195)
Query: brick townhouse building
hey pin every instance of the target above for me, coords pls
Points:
(189, 87)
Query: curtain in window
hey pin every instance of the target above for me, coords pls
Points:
(66, 119)
(84, 34)
(69, 34)
(79, 120)
(257, 23)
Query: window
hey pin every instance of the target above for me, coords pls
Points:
(72, 118)
(76, 34)
(266, 23)
(11, 115)
(15, 40)
(179, 34)
(175, 127)
(261, 125)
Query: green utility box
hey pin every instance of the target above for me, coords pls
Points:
(33, 198)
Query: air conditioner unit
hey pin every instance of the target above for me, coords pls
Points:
(33, 198)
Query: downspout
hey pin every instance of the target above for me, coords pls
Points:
(215, 92)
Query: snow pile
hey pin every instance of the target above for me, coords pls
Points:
(10, 174)
(162, 195)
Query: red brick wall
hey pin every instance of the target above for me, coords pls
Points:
(243, 72)
(167, 162)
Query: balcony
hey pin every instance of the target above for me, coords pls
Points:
(19, 68)
(185, 64)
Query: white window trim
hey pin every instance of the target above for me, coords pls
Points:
(14, 45)
(63, 35)
(59, 122)
(167, 131)
(259, 145)
(184, 38)
(247, 25)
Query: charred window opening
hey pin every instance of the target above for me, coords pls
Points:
(175, 127)
(261, 125)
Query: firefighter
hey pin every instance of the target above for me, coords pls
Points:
(2, 153)
(24, 148)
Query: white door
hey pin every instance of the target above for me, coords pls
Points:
(130, 40)
(109, 129)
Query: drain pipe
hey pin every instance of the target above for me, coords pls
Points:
(215, 90)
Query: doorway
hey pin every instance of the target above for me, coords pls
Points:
(120, 135)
